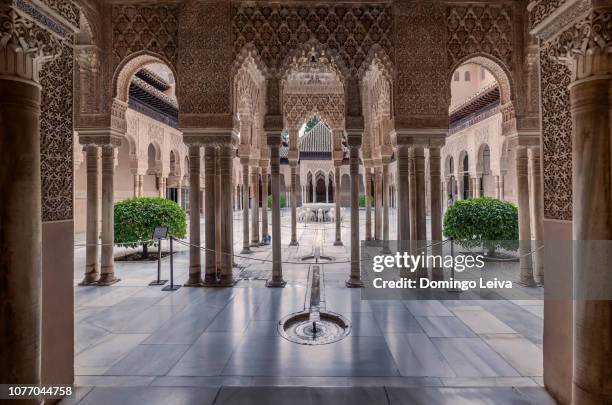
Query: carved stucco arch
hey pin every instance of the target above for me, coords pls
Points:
(336, 62)
(480, 157)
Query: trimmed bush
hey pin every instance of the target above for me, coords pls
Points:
(362, 201)
(137, 218)
(283, 201)
(484, 221)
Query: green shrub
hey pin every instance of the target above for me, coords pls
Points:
(484, 221)
(137, 218)
(283, 201)
(362, 201)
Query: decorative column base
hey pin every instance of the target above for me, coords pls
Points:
(276, 283)
(354, 283)
(294, 243)
(338, 243)
(197, 282)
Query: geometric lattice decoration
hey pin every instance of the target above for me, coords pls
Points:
(66, 9)
(145, 27)
(348, 29)
(556, 137)
(56, 137)
(480, 28)
(542, 9)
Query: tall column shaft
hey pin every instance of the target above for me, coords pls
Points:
(368, 204)
(403, 188)
(92, 273)
(255, 206)
(226, 156)
(179, 196)
(337, 168)
(264, 204)
(277, 270)
(246, 245)
(522, 179)
(195, 268)
(294, 241)
(20, 233)
(107, 268)
(135, 194)
(218, 208)
(421, 210)
(355, 278)
(412, 196)
(210, 216)
(592, 221)
(385, 201)
(436, 207)
(378, 215)
(140, 185)
(536, 214)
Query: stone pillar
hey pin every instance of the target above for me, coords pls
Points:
(195, 268)
(378, 216)
(277, 281)
(264, 203)
(592, 222)
(162, 187)
(140, 185)
(107, 268)
(537, 214)
(293, 165)
(354, 281)
(421, 210)
(135, 194)
(326, 189)
(211, 218)
(246, 245)
(92, 273)
(337, 168)
(226, 153)
(476, 187)
(255, 206)
(368, 204)
(522, 179)
(412, 195)
(460, 187)
(179, 195)
(218, 208)
(403, 188)
(385, 201)
(436, 207)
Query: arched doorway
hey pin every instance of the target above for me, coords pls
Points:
(321, 190)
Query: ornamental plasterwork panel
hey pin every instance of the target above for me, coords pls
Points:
(298, 108)
(347, 28)
(151, 27)
(539, 10)
(556, 137)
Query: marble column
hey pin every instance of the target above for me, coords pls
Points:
(412, 195)
(162, 187)
(591, 107)
(368, 204)
(293, 165)
(354, 141)
(195, 268)
(246, 245)
(210, 217)
(476, 187)
(337, 168)
(92, 273)
(107, 267)
(421, 209)
(21, 229)
(537, 213)
(277, 281)
(226, 153)
(218, 208)
(378, 215)
(460, 186)
(522, 179)
(403, 188)
(135, 194)
(255, 206)
(140, 185)
(385, 201)
(436, 208)
(179, 195)
(264, 203)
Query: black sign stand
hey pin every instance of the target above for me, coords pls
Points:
(159, 234)
(171, 287)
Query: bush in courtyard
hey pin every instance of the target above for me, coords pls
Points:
(484, 221)
(137, 218)
(362, 201)
(283, 201)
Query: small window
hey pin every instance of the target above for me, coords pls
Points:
(467, 76)
(456, 77)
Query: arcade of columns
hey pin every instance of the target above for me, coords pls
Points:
(427, 36)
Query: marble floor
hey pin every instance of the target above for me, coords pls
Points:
(137, 344)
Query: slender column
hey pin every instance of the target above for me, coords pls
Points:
(162, 187)
(592, 224)
(501, 187)
(355, 278)
(179, 196)
(403, 188)
(445, 193)
(246, 246)
(195, 269)
(385, 201)
(368, 203)
(218, 208)
(20, 229)
(326, 190)
(378, 183)
(436, 207)
(460, 186)
(522, 178)
(412, 195)
(293, 166)
(255, 206)
(277, 270)
(107, 268)
(264, 204)
(135, 194)
(226, 156)
(536, 214)
(140, 185)
(92, 273)
(421, 211)
(337, 168)
(211, 218)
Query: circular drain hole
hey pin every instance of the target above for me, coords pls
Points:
(321, 258)
(298, 328)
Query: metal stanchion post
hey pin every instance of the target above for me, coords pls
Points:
(171, 287)
(159, 255)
